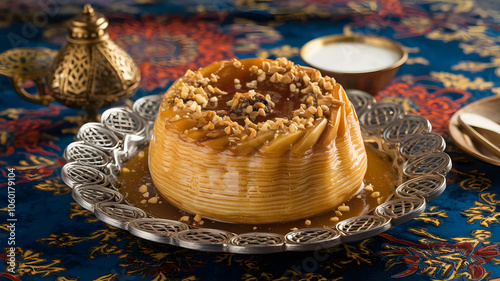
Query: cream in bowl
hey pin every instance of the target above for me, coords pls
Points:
(366, 63)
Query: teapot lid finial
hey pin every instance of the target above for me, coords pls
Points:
(88, 26)
(88, 10)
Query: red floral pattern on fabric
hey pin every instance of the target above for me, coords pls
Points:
(437, 106)
(462, 258)
(27, 135)
(165, 50)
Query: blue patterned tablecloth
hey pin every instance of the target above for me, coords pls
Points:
(454, 59)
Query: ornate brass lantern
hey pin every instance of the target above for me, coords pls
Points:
(90, 71)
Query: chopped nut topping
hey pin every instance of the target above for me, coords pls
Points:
(261, 77)
(252, 84)
(343, 208)
(237, 63)
(308, 222)
(143, 188)
(251, 109)
(153, 200)
(197, 218)
(375, 194)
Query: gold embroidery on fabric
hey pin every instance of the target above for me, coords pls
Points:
(489, 198)
(480, 236)
(424, 232)
(475, 181)
(32, 263)
(103, 236)
(12, 113)
(283, 51)
(418, 60)
(432, 216)
(62, 278)
(460, 81)
(77, 210)
(54, 185)
(485, 213)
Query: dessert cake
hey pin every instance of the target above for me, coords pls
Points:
(256, 141)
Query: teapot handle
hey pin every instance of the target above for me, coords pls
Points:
(40, 97)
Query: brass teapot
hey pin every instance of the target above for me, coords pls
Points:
(90, 71)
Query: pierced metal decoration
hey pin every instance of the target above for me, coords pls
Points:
(380, 115)
(420, 145)
(257, 242)
(427, 186)
(406, 127)
(147, 107)
(362, 101)
(309, 239)
(158, 230)
(205, 239)
(90, 71)
(96, 134)
(101, 149)
(401, 210)
(85, 154)
(362, 227)
(89, 195)
(74, 174)
(20, 64)
(435, 163)
(123, 121)
(117, 214)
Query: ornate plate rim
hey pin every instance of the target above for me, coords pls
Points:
(123, 215)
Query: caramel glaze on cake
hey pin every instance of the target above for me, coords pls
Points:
(256, 141)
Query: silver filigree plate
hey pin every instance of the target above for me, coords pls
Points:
(101, 149)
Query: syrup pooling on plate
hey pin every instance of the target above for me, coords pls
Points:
(252, 141)
(380, 174)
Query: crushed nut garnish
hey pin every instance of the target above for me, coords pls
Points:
(197, 218)
(375, 194)
(199, 98)
(334, 219)
(153, 200)
(308, 222)
(343, 208)
(143, 188)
